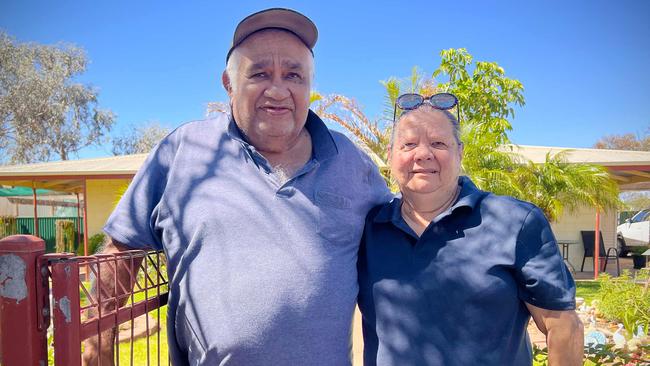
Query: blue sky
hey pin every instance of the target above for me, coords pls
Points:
(584, 64)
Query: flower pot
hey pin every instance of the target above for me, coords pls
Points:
(639, 261)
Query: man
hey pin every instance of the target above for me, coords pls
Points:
(259, 212)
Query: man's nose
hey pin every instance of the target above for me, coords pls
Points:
(278, 90)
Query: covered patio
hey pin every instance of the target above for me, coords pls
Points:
(94, 182)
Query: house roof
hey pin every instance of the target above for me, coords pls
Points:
(608, 158)
(69, 175)
(630, 168)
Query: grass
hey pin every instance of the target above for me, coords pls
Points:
(587, 289)
(139, 355)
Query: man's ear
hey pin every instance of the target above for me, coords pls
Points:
(225, 80)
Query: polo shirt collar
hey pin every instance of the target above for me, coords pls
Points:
(323, 144)
(468, 197)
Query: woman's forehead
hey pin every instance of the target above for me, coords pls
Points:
(427, 122)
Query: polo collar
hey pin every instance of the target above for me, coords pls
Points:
(323, 144)
(468, 197)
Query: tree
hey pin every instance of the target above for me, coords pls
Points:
(44, 113)
(486, 103)
(139, 140)
(628, 141)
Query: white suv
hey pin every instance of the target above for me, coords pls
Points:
(634, 232)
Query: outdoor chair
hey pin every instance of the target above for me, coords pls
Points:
(588, 238)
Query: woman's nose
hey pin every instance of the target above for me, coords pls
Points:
(423, 152)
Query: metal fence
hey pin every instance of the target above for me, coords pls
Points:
(47, 229)
(50, 312)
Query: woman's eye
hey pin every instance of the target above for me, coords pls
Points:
(439, 145)
(259, 75)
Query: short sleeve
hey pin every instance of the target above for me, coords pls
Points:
(132, 222)
(543, 278)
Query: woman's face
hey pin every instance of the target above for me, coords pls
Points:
(425, 156)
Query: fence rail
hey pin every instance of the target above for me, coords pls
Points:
(59, 292)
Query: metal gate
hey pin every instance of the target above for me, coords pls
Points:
(49, 309)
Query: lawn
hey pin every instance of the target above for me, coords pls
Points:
(587, 289)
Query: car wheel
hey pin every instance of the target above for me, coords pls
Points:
(622, 249)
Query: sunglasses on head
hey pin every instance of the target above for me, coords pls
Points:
(441, 101)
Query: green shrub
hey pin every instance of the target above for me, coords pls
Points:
(65, 234)
(95, 243)
(623, 300)
(601, 355)
(8, 226)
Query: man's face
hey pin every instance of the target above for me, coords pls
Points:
(425, 156)
(270, 93)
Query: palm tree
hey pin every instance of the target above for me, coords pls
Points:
(486, 103)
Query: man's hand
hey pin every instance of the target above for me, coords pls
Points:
(93, 350)
(564, 335)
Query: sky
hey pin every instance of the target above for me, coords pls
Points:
(584, 64)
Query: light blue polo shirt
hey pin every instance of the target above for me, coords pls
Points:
(261, 272)
(456, 295)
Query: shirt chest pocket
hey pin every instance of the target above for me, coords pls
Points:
(338, 221)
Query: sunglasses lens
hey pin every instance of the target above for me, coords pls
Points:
(409, 101)
(444, 101)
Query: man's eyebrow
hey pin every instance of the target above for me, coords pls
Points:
(292, 65)
(260, 65)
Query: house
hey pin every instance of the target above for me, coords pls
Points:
(99, 182)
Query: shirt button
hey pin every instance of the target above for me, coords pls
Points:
(286, 192)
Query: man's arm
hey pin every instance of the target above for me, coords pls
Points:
(93, 350)
(564, 335)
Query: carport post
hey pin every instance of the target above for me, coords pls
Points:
(36, 232)
(597, 245)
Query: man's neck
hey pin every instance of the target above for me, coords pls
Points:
(295, 157)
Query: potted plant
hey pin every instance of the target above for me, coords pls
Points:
(638, 259)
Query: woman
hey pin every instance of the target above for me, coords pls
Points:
(449, 274)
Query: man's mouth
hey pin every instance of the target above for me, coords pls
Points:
(276, 110)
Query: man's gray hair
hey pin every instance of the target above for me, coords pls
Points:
(455, 124)
(235, 57)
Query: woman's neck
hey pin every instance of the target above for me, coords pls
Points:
(419, 210)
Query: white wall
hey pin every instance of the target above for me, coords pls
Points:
(570, 224)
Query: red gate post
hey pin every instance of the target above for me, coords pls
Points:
(24, 340)
(65, 308)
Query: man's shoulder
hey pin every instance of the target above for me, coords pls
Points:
(216, 123)
(347, 148)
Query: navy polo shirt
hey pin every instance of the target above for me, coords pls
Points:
(456, 295)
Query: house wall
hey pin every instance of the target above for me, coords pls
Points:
(27, 210)
(570, 224)
(102, 195)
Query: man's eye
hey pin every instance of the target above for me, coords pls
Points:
(439, 145)
(259, 75)
(294, 75)
(409, 145)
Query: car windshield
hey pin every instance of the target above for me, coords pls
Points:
(640, 216)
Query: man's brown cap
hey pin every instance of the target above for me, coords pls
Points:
(278, 18)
